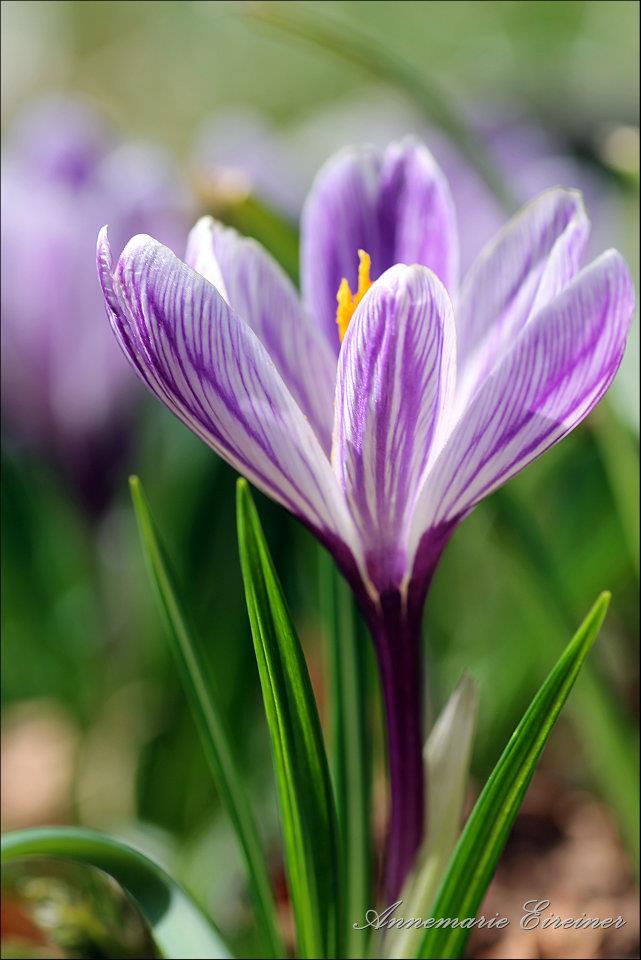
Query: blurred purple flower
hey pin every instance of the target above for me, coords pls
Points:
(241, 149)
(65, 388)
(383, 443)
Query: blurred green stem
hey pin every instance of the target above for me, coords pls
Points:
(610, 747)
(350, 753)
(620, 457)
(353, 45)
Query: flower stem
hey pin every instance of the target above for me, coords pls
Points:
(396, 634)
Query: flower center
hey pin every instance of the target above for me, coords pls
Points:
(348, 301)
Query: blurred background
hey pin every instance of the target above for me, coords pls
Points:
(144, 115)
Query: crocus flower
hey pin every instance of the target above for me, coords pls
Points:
(382, 443)
(66, 389)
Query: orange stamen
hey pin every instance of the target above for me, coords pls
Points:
(348, 301)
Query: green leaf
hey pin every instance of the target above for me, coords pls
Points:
(350, 746)
(304, 788)
(474, 860)
(216, 739)
(179, 927)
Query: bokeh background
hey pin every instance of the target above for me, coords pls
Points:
(145, 114)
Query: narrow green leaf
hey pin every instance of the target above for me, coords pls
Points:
(474, 860)
(179, 927)
(216, 739)
(350, 752)
(351, 43)
(304, 788)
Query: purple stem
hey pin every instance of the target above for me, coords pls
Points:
(395, 625)
(397, 640)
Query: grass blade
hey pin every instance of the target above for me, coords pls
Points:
(305, 793)
(348, 670)
(179, 927)
(474, 860)
(215, 737)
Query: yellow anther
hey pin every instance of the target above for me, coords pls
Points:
(348, 301)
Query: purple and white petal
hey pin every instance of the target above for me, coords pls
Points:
(556, 372)
(259, 292)
(395, 382)
(393, 203)
(212, 371)
(529, 261)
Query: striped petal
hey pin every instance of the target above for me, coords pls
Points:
(556, 372)
(395, 380)
(259, 292)
(213, 372)
(394, 203)
(530, 260)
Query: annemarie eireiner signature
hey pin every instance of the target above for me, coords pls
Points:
(536, 914)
